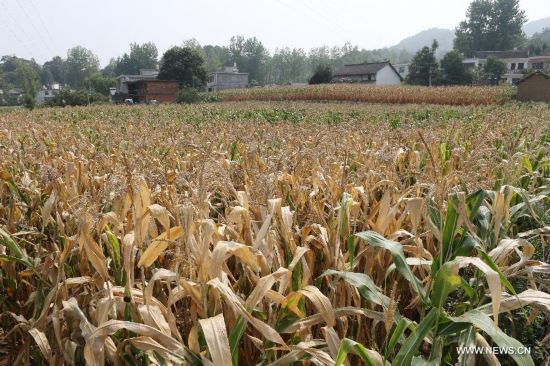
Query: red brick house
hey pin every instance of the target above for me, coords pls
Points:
(146, 91)
(535, 88)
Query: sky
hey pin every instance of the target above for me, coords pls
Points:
(42, 29)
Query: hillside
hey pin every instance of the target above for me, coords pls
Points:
(414, 43)
(536, 26)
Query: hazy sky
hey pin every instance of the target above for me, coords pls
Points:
(44, 28)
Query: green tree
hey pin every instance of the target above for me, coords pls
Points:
(322, 75)
(490, 25)
(183, 64)
(141, 56)
(539, 44)
(453, 71)
(29, 82)
(81, 63)
(57, 68)
(424, 69)
(250, 56)
(100, 83)
(493, 70)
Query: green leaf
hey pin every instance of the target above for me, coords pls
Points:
(486, 324)
(235, 337)
(396, 335)
(346, 346)
(364, 284)
(446, 281)
(6, 240)
(449, 230)
(396, 250)
(410, 347)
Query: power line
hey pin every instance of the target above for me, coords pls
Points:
(44, 43)
(27, 45)
(48, 34)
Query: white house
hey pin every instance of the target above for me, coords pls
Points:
(516, 63)
(377, 73)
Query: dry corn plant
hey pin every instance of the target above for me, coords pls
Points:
(273, 234)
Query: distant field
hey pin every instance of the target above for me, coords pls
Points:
(456, 95)
(243, 233)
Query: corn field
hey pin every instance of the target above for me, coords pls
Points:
(276, 233)
(448, 95)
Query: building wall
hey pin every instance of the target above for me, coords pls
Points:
(536, 88)
(162, 92)
(224, 81)
(387, 76)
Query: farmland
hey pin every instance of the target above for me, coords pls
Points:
(446, 95)
(275, 232)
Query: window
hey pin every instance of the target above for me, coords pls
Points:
(521, 66)
(513, 66)
(370, 77)
(538, 66)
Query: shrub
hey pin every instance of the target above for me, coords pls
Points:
(76, 97)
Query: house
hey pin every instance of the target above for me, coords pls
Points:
(47, 93)
(534, 87)
(540, 63)
(377, 73)
(228, 78)
(153, 90)
(517, 62)
(145, 88)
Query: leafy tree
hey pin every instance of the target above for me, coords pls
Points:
(216, 57)
(142, 56)
(29, 82)
(490, 25)
(453, 71)
(424, 69)
(183, 64)
(322, 75)
(539, 44)
(81, 63)
(57, 68)
(250, 56)
(492, 70)
(100, 83)
(68, 97)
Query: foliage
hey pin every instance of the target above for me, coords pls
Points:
(491, 25)
(245, 238)
(184, 65)
(80, 64)
(67, 97)
(57, 69)
(142, 56)
(100, 84)
(322, 75)
(424, 68)
(30, 83)
(453, 71)
(493, 70)
(539, 44)
(188, 95)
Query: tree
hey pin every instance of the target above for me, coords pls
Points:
(493, 70)
(141, 56)
(424, 69)
(539, 44)
(490, 25)
(250, 56)
(183, 64)
(100, 83)
(29, 82)
(57, 68)
(453, 71)
(322, 75)
(81, 63)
